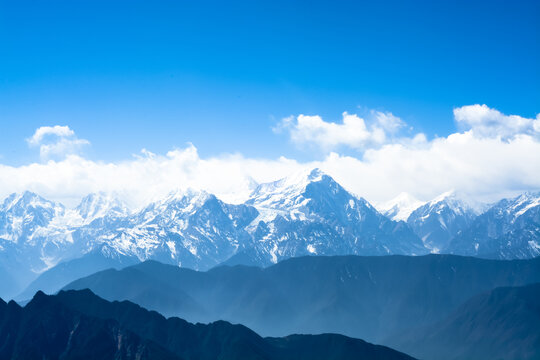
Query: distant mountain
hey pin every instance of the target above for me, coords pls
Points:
(53, 279)
(365, 297)
(36, 234)
(508, 230)
(192, 229)
(78, 324)
(400, 208)
(311, 214)
(307, 213)
(22, 214)
(99, 205)
(26, 247)
(12, 275)
(440, 220)
(500, 324)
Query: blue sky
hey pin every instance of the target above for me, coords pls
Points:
(387, 97)
(128, 75)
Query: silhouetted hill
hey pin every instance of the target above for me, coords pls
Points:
(500, 324)
(364, 297)
(80, 325)
(47, 329)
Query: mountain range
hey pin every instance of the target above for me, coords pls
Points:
(372, 298)
(80, 325)
(499, 324)
(453, 224)
(44, 245)
(510, 229)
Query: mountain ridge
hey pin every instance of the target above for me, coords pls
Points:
(196, 229)
(307, 213)
(79, 324)
(500, 323)
(316, 294)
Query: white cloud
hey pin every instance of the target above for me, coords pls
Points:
(144, 177)
(388, 121)
(485, 167)
(352, 132)
(383, 128)
(43, 131)
(56, 141)
(487, 122)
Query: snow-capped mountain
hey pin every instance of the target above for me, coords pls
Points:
(187, 228)
(46, 232)
(98, 205)
(36, 227)
(192, 228)
(22, 214)
(508, 230)
(307, 213)
(310, 213)
(400, 207)
(441, 219)
(25, 247)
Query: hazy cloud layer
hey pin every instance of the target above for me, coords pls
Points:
(494, 156)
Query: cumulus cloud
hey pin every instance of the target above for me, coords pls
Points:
(353, 131)
(56, 141)
(487, 122)
(485, 167)
(43, 131)
(384, 128)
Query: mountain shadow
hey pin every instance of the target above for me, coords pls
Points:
(364, 297)
(503, 323)
(80, 325)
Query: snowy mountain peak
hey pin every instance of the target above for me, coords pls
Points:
(509, 229)
(287, 193)
(523, 203)
(507, 211)
(527, 197)
(177, 202)
(28, 199)
(22, 214)
(442, 218)
(101, 204)
(445, 196)
(187, 196)
(458, 202)
(400, 207)
(297, 180)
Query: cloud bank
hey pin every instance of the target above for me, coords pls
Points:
(492, 156)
